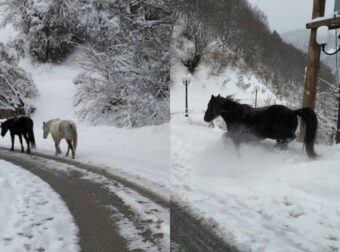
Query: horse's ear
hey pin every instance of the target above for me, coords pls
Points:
(44, 123)
(219, 96)
(212, 97)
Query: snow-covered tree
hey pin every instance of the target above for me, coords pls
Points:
(16, 85)
(127, 73)
(126, 44)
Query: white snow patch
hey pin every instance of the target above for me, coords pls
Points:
(32, 215)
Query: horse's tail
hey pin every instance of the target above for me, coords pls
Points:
(310, 124)
(75, 137)
(31, 137)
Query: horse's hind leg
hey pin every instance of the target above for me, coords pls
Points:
(70, 146)
(12, 139)
(28, 144)
(22, 146)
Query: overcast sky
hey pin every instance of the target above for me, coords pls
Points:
(287, 15)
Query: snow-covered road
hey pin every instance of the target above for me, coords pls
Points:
(33, 217)
(110, 212)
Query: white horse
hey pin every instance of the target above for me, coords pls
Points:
(60, 129)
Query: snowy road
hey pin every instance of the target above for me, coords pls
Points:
(111, 214)
(189, 233)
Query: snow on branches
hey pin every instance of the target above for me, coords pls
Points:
(16, 85)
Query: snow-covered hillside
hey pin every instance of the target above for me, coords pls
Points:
(265, 200)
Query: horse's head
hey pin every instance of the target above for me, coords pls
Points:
(4, 128)
(46, 130)
(215, 108)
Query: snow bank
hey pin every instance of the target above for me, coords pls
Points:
(32, 216)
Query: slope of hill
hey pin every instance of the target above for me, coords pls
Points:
(243, 41)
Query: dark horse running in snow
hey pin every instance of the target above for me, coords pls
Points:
(246, 124)
(21, 126)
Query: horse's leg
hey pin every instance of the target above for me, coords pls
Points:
(12, 139)
(281, 144)
(27, 143)
(22, 147)
(236, 144)
(68, 147)
(56, 144)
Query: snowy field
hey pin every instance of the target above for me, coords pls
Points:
(265, 200)
(32, 216)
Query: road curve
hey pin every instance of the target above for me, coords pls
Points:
(90, 202)
(96, 207)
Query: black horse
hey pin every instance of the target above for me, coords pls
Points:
(21, 126)
(246, 124)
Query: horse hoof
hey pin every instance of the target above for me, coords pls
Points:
(11, 150)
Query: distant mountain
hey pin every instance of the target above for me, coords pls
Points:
(300, 39)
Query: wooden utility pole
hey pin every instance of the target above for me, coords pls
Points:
(314, 50)
(313, 64)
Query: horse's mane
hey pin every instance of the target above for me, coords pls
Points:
(231, 98)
